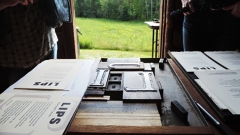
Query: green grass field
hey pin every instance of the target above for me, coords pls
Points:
(94, 54)
(106, 34)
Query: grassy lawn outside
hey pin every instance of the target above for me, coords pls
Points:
(104, 34)
(93, 54)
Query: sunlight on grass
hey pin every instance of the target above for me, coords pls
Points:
(114, 35)
(93, 54)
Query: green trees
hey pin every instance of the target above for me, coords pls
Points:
(118, 9)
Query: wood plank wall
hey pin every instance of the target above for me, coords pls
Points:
(67, 38)
(170, 28)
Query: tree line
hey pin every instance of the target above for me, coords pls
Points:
(124, 10)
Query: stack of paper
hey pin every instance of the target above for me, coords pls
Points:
(219, 103)
(195, 61)
(45, 100)
(229, 59)
(35, 113)
(221, 84)
(225, 85)
(54, 75)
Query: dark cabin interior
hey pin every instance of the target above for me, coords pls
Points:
(170, 39)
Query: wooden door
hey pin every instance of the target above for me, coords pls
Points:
(170, 28)
(67, 38)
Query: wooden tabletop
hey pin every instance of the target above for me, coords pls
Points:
(116, 117)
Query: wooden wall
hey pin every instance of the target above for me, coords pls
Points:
(170, 28)
(67, 38)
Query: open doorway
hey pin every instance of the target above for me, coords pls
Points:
(115, 28)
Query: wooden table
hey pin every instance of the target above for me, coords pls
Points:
(155, 28)
(116, 117)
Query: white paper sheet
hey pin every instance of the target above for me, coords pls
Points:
(49, 92)
(220, 105)
(229, 59)
(225, 85)
(35, 114)
(77, 86)
(195, 61)
(42, 111)
(55, 75)
(80, 84)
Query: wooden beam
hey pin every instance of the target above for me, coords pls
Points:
(67, 38)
